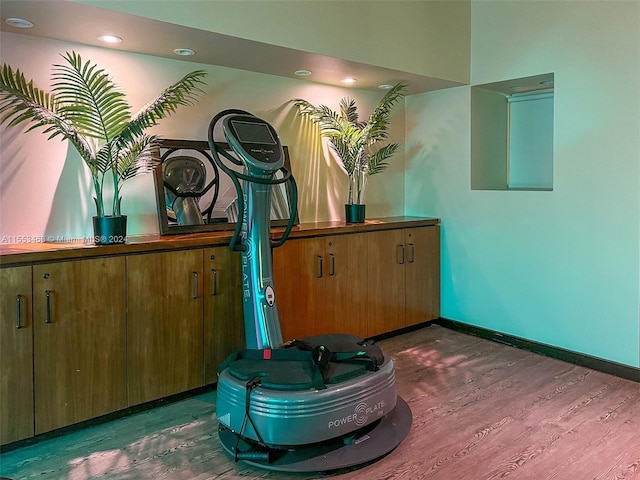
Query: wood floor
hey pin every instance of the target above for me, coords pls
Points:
(481, 411)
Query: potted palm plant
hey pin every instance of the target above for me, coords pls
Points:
(355, 141)
(87, 108)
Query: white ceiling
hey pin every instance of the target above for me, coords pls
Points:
(51, 19)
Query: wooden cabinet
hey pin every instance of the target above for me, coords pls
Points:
(184, 318)
(164, 324)
(223, 315)
(404, 278)
(86, 331)
(321, 285)
(302, 292)
(365, 284)
(346, 267)
(422, 274)
(386, 283)
(79, 340)
(16, 355)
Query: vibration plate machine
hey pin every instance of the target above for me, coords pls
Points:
(313, 404)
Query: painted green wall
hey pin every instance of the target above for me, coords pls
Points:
(559, 267)
(423, 37)
(488, 140)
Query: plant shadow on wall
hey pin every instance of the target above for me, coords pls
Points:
(320, 196)
(355, 141)
(437, 162)
(87, 108)
(73, 183)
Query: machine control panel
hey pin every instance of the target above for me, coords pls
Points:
(255, 140)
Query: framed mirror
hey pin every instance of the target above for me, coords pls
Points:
(194, 195)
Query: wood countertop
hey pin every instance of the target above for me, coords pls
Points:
(15, 254)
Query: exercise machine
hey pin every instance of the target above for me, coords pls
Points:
(318, 403)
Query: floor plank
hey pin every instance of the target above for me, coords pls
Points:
(481, 411)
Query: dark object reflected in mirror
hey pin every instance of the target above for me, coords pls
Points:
(193, 195)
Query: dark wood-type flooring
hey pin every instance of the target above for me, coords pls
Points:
(481, 411)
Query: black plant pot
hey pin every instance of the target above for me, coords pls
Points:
(110, 230)
(354, 213)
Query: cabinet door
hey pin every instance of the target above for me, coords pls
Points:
(302, 286)
(16, 355)
(223, 315)
(386, 281)
(346, 308)
(321, 286)
(164, 324)
(422, 274)
(79, 340)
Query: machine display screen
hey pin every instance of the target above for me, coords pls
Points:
(249, 132)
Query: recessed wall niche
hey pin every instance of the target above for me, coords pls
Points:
(512, 134)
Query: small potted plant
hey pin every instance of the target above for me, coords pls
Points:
(86, 107)
(355, 141)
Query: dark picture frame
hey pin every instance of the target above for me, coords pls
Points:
(218, 202)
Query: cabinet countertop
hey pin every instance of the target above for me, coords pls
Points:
(340, 227)
(15, 254)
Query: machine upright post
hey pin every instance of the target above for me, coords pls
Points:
(261, 322)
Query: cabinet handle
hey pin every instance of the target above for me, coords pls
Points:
(19, 311)
(412, 253)
(195, 286)
(332, 264)
(48, 296)
(319, 265)
(214, 273)
(400, 254)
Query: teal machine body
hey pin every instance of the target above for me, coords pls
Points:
(257, 144)
(313, 404)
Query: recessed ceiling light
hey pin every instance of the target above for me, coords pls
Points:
(110, 39)
(349, 80)
(18, 22)
(185, 52)
(385, 86)
(302, 72)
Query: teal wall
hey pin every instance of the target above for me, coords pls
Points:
(559, 267)
(531, 141)
(489, 140)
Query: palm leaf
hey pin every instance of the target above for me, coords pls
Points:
(89, 99)
(349, 110)
(138, 157)
(21, 101)
(183, 92)
(378, 161)
(383, 108)
(349, 145)
(326, 119)
(380, 117)
(105, 157)
(86, 107)
(351, 139)
(344, 153)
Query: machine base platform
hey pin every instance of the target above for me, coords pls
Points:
(358, 449)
